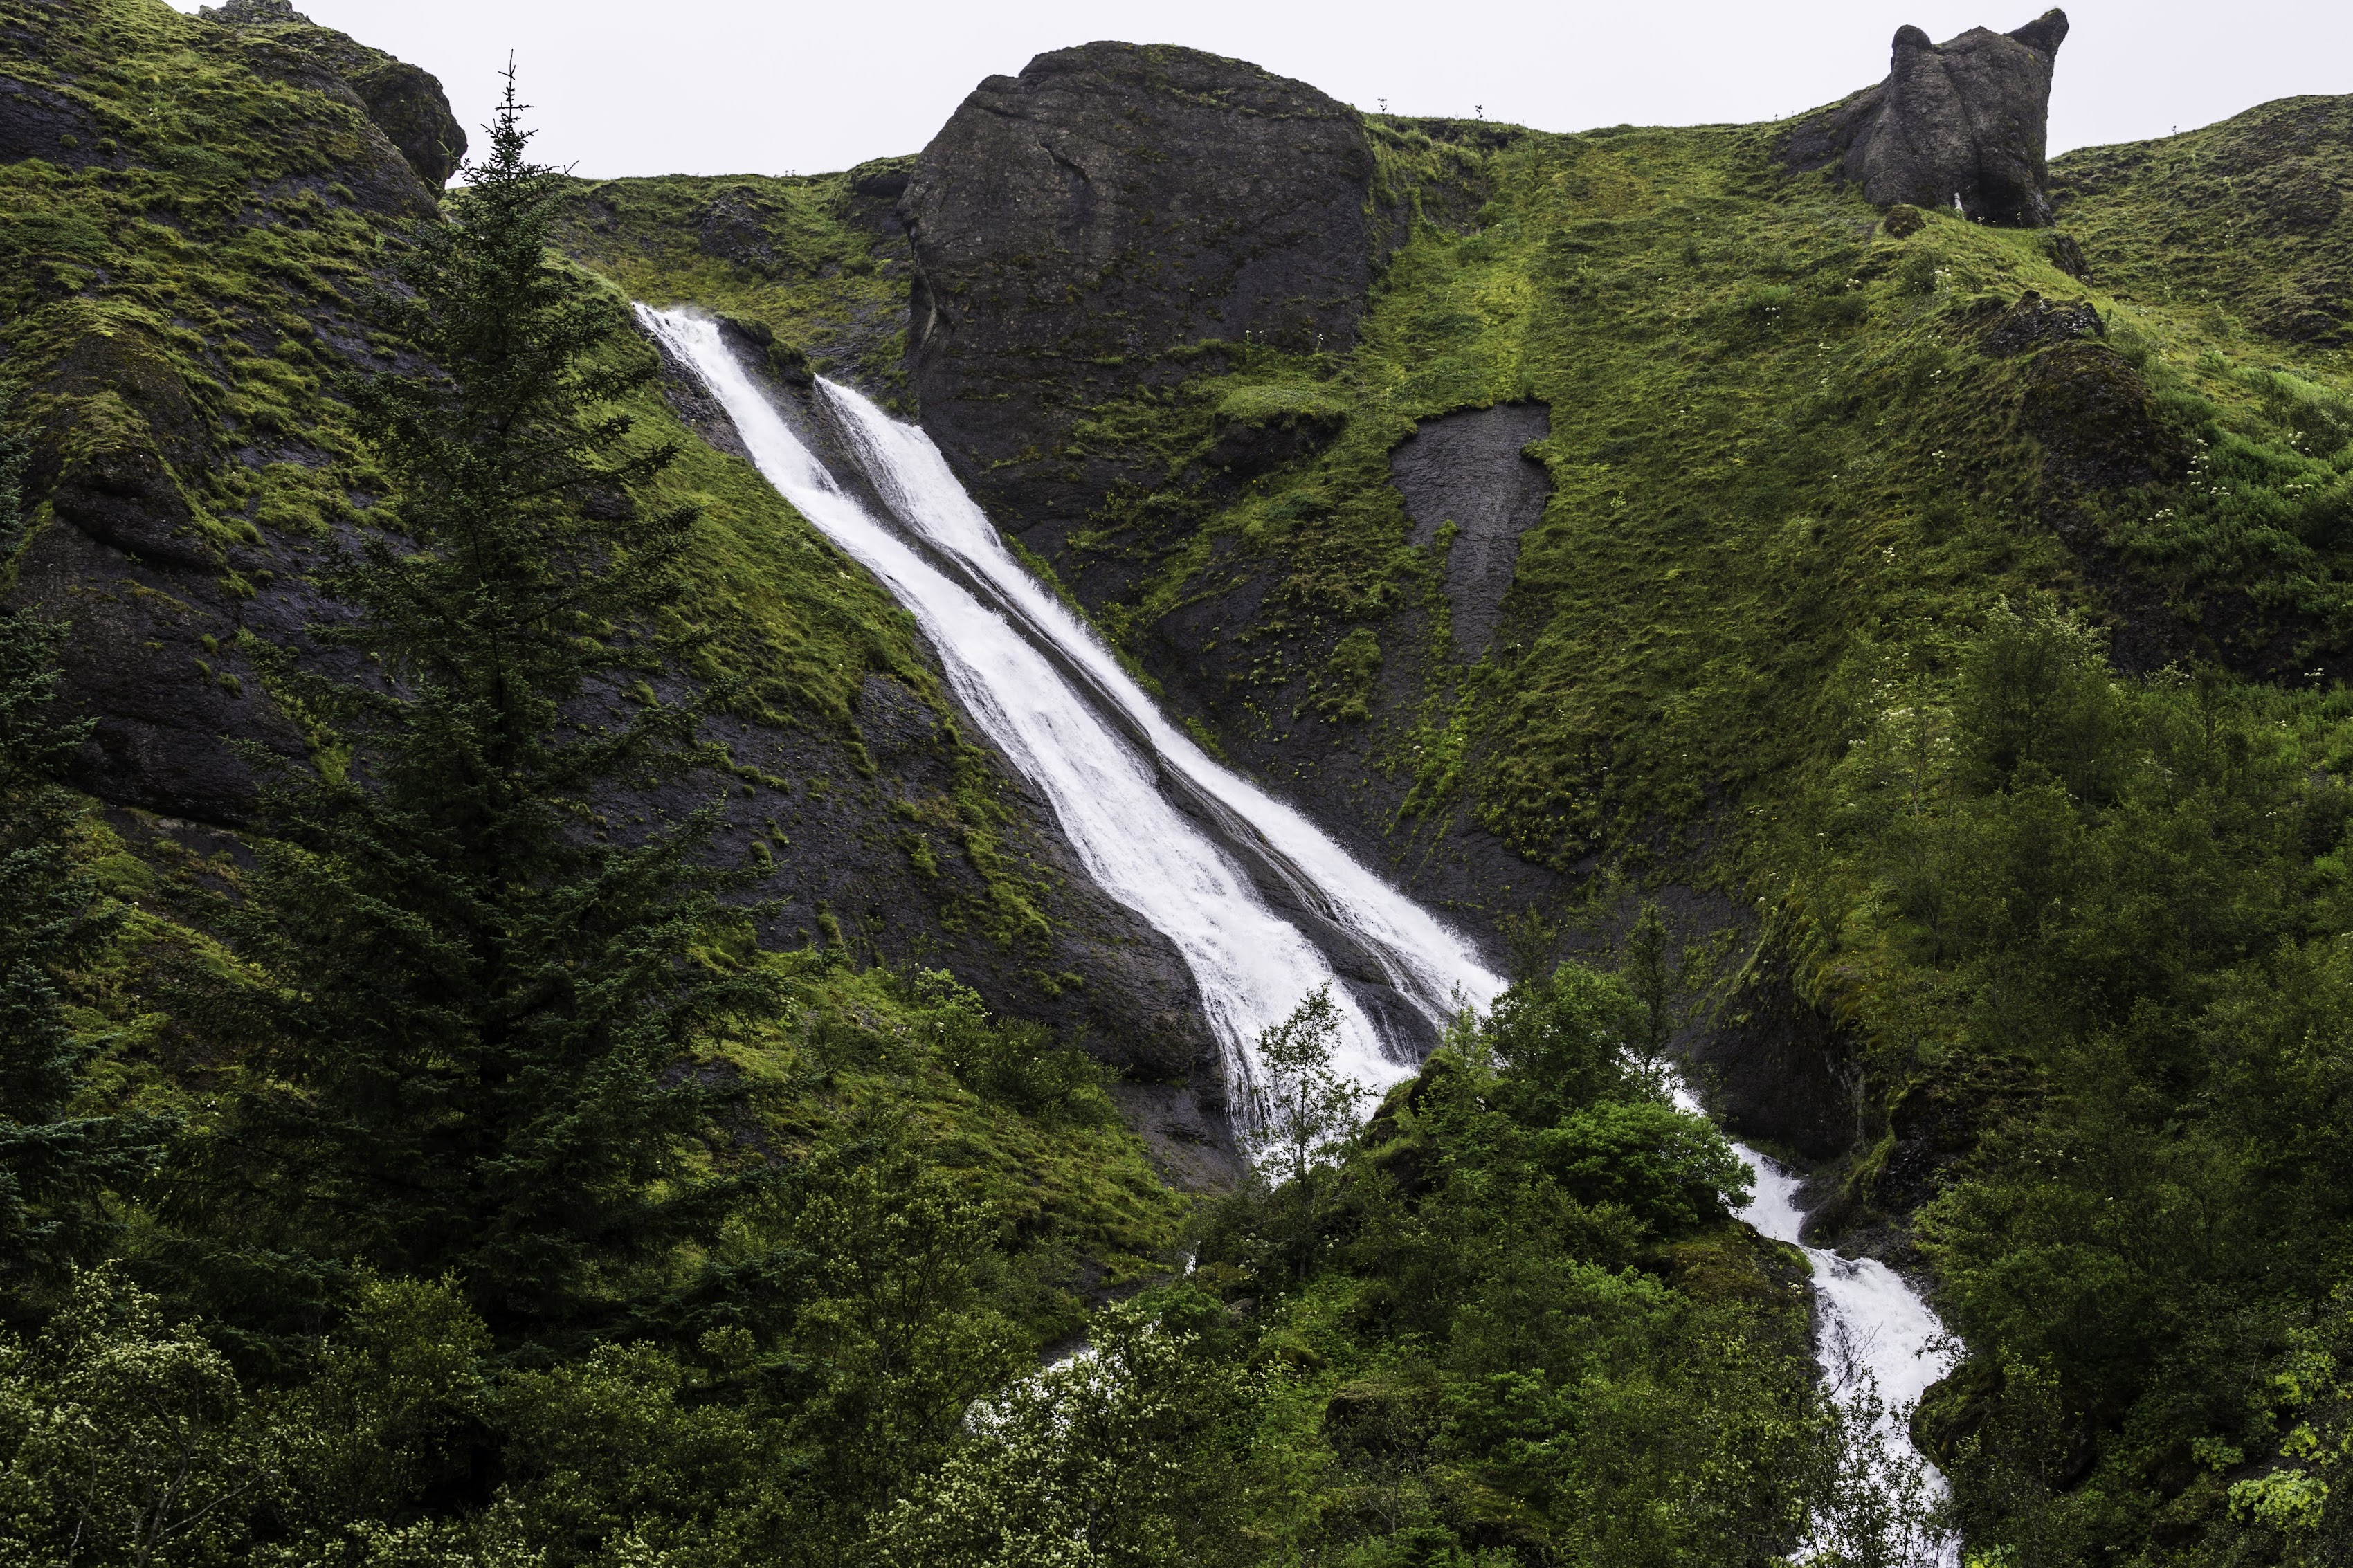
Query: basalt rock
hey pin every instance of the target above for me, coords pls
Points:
(36, 122)
(1073, 225)
(1961, 123)
(150, 655)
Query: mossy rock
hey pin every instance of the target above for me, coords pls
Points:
(1263, 428)
(2093, 414)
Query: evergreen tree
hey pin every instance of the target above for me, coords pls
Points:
(55, 1166)
(469, 1030)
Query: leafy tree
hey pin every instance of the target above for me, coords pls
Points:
(1650, 976)
(123, 1440)
(470, 1018)
(1302, 1106)
(1117, 1458)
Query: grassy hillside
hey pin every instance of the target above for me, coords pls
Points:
(1965, 605)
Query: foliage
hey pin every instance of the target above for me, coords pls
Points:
(468, 1023)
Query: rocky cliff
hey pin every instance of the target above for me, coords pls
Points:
(1081, 229)
(192, 234)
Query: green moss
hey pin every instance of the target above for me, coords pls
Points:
(787, 253)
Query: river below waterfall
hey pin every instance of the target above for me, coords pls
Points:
(1056, 701)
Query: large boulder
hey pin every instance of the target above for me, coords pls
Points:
(1962, 123)
(1076, 225)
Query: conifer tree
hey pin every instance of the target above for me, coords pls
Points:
(55, 1166)
(468, 1031)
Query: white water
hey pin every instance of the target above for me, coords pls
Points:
(1431, 965)
(1252, 966)
(1870, 1323)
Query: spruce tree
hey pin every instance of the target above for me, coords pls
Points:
(56, 1167)
(468, 1030)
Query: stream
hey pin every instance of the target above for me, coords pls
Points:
(1189, 845)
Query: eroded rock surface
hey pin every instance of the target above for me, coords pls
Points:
(1073, 225)
(1470, 469)
(1961, 123)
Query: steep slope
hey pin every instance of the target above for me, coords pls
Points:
(195, 214)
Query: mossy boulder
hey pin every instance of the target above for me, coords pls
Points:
(119, 430)
(1259, 428)
(2098, 426)
(405, 101)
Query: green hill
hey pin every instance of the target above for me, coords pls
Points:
(1892, 661)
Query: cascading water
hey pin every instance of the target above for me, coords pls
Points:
(1868, 1322)
(1432, 966)
(1253, 967)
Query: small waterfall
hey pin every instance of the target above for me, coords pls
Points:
(1867, 1320)
(1053, 717)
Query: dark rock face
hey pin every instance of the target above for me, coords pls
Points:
(1072, 226)
(150, 655)
(1470, 469)
(1962, 121)
(38, 123)
(151, 649)
(1777, 1067)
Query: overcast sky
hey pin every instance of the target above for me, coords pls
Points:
(713, 86)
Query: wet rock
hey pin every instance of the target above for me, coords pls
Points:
(1073, 225)
(1961, 123)
(1778, 1068)
(38, 123)
(1471, 469)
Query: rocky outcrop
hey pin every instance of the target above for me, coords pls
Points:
(151, 651)
(1076, 227)
(1961, 123)
(405, 101)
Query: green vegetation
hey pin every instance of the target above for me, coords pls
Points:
(817, 261)
(1471, 1333)
(446, 1177)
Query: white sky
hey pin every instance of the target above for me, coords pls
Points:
(710, 87)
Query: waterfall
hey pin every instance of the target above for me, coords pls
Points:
(1055, 700)
(1253, 967)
